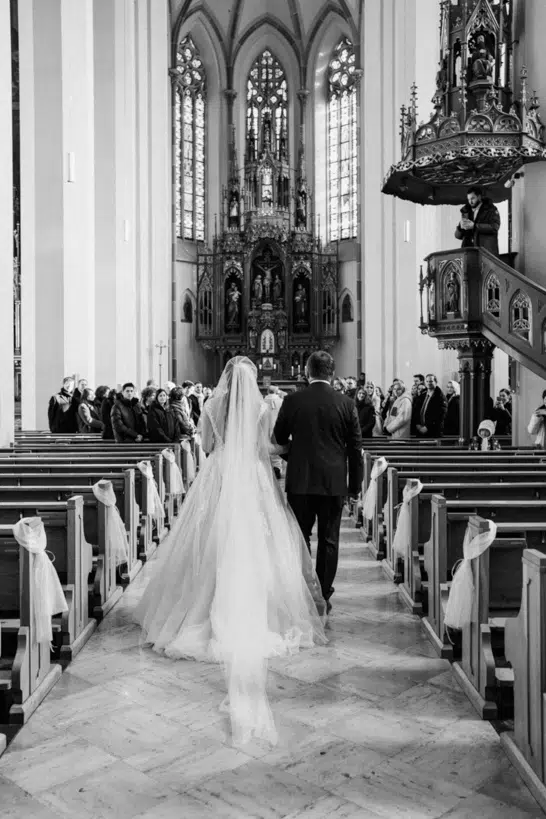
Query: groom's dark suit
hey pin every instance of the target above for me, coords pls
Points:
(324, 434)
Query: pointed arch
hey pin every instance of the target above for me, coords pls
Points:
(267, 96)
(347, 310)
(520, 315)
(187, 310)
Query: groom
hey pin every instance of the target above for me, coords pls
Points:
(324, 433)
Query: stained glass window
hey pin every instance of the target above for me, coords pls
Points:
(189, 126)
(342, 143)
(267, 99)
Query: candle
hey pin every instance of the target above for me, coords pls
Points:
(292, 371)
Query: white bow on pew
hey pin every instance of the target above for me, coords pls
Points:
(402, 536)
(459, 605)
(154, 504)
(370, 498)
(115, 529)
(47, 593)
(175, 475)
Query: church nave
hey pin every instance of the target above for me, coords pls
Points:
(372, 725)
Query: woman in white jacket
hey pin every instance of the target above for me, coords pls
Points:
(398, 420)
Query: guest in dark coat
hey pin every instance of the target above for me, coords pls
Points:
(88, 417)
(127, 421)
(60, 411)
(163, 425)
(366, 412)
(480, 222)
(418, 392)
(147, 397)
(451, 423)
(187, 427)
(78, 394)
(433, 410)
(106, 414)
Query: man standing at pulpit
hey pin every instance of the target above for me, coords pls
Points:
(480, 222)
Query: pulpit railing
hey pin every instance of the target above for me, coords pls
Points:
(470, 291)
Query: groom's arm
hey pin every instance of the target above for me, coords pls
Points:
(354, 452)
(281, 431)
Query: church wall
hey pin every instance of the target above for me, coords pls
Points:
(6, 234)
(397, 234)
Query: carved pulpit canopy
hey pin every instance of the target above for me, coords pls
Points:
(483, 128)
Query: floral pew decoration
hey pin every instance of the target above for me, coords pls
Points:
(370, 498)
(176, 482)
(116, 532)
(459, 605)
(154, 503)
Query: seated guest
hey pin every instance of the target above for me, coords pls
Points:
(366, 411)
(486, 432)
(127, 421)
(451, 423)
(105, 414)
(433, 410)
(88, 416)
(163, 425)
(398, 420)
(147, 398)
(60, 411)
(180, 411)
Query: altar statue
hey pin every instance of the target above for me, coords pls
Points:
(258, 288)
(452, 295)
(277, 288)
(300, 300)
(301, 209)
(481, 61)
(233, 307)
(267, 286)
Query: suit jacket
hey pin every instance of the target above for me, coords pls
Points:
(435, 414)
(486, 227)
(324, 434)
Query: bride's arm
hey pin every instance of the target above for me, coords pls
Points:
(207, 433)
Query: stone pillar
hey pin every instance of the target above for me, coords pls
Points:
(475, 356)
(6, 234)
(57, 199)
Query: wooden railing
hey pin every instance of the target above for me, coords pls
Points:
(469, 290)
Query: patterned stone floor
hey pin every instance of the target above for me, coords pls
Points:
(371, 725)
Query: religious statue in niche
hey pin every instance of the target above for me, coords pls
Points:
(301, 306)
(251, 145)
(267, 189)
(481, 61)
(432, 301)
(233, 308)
(453, 292)
(457, 59)
(266, 269)
(277, 289)
(301, 209)
(234, 210)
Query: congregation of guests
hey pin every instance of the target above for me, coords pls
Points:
(159, 415)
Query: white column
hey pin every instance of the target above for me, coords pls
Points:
(142, 195)
(6, 234)
(57, 198)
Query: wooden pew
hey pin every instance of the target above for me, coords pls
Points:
(77, 463)
(525, 642)
(105, 591)
(445, 547)
(420, 508)
(497, 578)
(30, 485)
(27, 674)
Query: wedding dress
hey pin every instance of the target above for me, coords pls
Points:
(235, 583)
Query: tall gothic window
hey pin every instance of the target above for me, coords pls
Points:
(267, 101)
(190, 142)
(342, 143)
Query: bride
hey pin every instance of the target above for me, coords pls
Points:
(234, 582)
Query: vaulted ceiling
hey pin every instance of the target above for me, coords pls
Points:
(297, 18)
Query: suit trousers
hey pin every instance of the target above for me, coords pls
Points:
(326, 510)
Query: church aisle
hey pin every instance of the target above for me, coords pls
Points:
(371, 725)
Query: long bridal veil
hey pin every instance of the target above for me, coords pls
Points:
(236, 583)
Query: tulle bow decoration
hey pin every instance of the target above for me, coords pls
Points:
(47, 593)
(402, 536)
(115, 528)
(189, 463)
(155, 506)
(459, 605)
(175, 475)
(368, 507)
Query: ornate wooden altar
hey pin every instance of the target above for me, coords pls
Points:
(267, 288)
